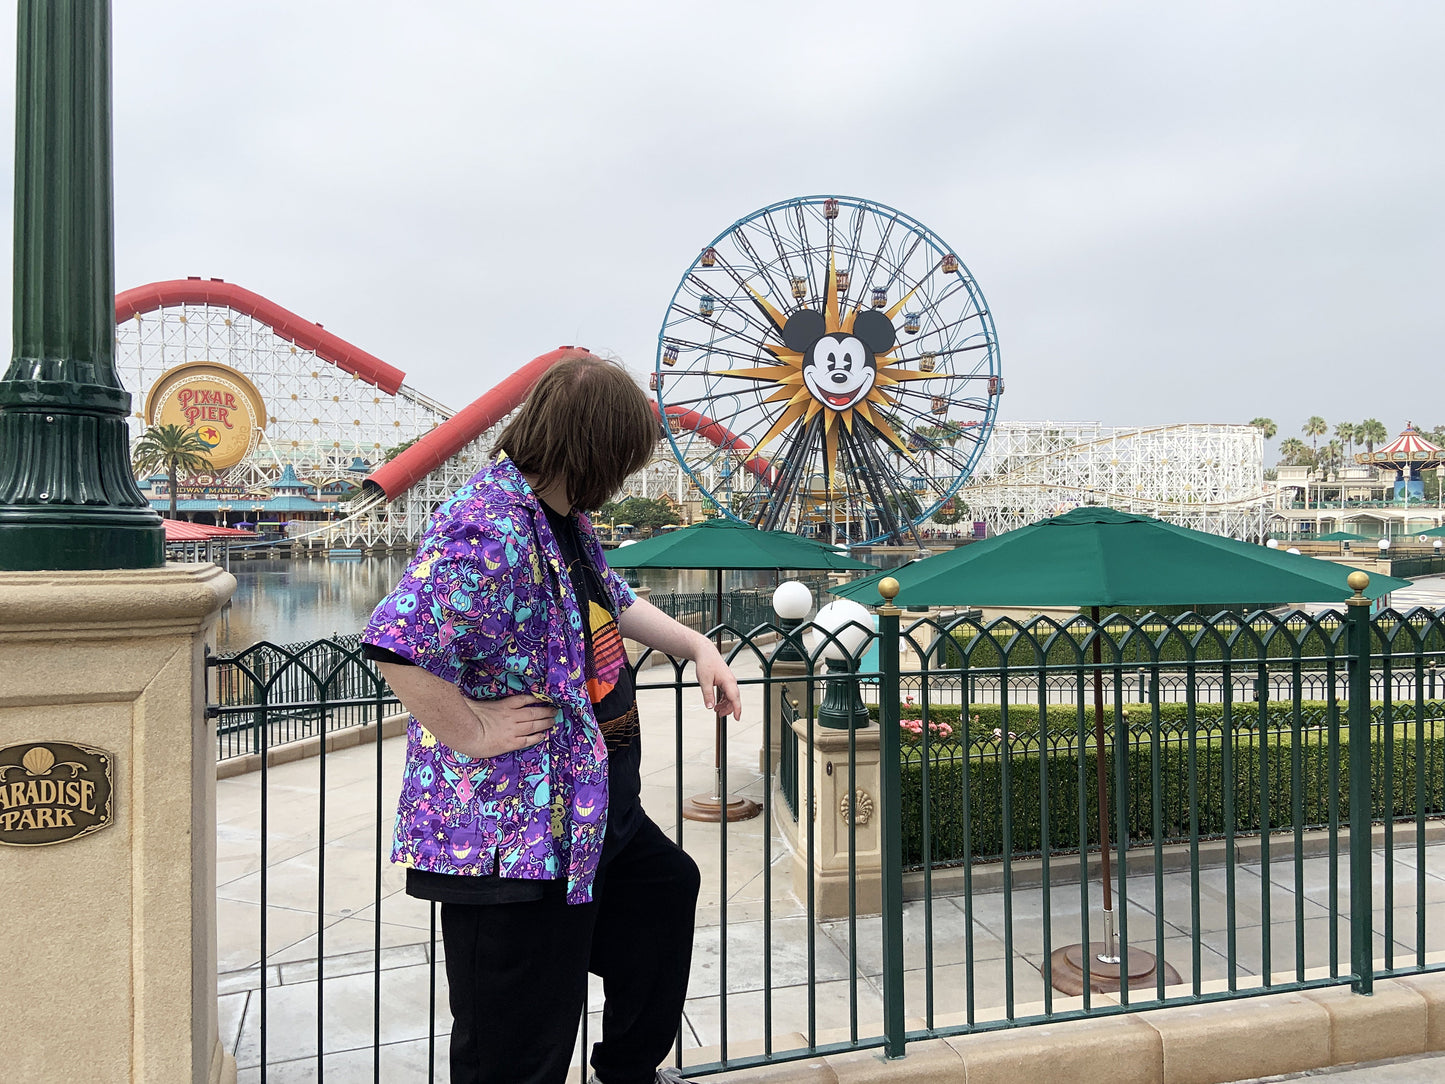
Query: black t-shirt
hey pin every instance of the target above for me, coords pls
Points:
(614, 700)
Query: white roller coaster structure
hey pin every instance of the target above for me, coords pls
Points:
(1209, 477)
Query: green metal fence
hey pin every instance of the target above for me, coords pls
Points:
(272, 694)
(1261, 774)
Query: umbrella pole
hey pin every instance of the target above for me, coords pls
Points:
(1109, 968)
(718, 806)
(1110, 954)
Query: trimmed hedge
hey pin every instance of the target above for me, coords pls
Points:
(1253, 768)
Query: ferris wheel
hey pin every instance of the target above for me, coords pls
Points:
(828, 365)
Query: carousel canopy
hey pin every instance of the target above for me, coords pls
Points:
(1409, 449)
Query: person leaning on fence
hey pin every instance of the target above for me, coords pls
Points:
(520, 809)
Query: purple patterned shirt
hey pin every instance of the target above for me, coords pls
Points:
(486, 605)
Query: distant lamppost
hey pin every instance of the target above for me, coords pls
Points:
(1271, 543)
(1384, 547)
(850, 625)
(791, 602)
(67, 497)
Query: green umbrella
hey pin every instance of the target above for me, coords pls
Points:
(1097, 557)
(727, 544)
(1436, 532)
(1341, 536)
(720, 544)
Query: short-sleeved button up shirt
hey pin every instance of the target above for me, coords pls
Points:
(486, 604)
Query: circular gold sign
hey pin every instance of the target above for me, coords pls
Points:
(221, 405)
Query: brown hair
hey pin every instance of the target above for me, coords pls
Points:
(585, 423)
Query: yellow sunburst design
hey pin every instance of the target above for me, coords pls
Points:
(801, 404)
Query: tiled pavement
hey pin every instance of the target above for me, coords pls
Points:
(812, 981)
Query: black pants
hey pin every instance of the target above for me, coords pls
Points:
(517, 972)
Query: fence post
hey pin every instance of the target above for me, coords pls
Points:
(891, 787)
(1362, 959)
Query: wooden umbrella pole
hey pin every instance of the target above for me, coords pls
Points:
(1110, 947)
(718, 805)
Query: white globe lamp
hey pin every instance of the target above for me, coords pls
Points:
(791, 602)
(850, 624)
(1272, 543)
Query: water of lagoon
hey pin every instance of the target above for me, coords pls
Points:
(292, 601)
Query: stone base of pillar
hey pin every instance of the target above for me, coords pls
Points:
(828, 821)
(110, 938)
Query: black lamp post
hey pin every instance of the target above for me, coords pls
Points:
(67, 497)
(842, 707)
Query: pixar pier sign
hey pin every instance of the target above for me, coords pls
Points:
(221, 405)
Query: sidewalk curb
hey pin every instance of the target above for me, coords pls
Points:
(1199, 1043)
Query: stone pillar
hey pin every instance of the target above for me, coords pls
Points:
(828, 820)
(109, 940)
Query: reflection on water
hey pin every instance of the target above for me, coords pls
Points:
(291, 601)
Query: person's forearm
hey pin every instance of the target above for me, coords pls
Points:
(645, 623)
(437, 704)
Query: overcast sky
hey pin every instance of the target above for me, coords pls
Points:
(1200, 212)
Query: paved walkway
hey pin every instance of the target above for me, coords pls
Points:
(1002, 968)
(1420, 1069)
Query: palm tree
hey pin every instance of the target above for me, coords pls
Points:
(173, 447)
(1372, 432)
(1334, 456)
(1294, 451)
(1266, 426)
(1345, 432)
(1315, 428)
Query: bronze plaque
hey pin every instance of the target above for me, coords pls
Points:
(53, 791)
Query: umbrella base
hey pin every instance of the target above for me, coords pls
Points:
(709, 807)
(1143, 970)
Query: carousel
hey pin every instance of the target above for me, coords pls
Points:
(1408, 455)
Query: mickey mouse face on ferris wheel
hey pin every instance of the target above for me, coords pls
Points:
(839, 368)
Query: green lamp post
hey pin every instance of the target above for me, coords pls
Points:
(67, 497)
(842, 633)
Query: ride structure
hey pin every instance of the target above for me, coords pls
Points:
(1407, 455)
(266, 389)
(813, 355)
(1208, 477)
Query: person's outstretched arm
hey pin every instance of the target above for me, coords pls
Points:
(645, 623)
